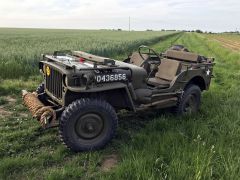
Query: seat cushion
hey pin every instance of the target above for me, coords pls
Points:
(168, 69)
(159, 82)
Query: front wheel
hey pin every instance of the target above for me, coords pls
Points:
(190, 101)
(87, 124)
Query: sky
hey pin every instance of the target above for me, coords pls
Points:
(207, 15)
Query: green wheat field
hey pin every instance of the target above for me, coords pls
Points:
(153, 144)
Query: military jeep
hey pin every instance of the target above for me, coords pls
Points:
(87, 91)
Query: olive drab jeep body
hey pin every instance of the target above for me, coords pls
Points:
(84, 92)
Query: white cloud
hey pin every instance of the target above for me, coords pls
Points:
(214, 15)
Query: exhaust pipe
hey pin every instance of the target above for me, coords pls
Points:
(44, 114)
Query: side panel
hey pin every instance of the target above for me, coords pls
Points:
(196, 76)
(181, 81)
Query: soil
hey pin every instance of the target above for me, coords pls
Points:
(230, 44)
(109, 162)
(4, 113)
(10, 99)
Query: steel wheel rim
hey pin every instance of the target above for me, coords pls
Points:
(190, 104)
(89, 126)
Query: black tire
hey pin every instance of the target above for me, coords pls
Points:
(190, 101)
(87, 124)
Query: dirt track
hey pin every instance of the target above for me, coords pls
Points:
(228, 43)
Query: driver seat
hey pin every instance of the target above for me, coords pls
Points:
(167, 71)
(137, 60)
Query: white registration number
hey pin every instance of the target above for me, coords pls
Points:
(110, 77)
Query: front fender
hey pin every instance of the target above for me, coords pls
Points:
(118, 94)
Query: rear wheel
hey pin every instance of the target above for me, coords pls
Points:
(189, 103)
(87, 124)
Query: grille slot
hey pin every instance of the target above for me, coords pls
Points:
(54, 83)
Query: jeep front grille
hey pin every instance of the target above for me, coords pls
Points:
(54, 83)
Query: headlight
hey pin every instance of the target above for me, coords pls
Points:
(41, 67)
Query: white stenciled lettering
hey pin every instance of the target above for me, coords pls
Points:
(98, 78)
(107, 77)
(124, 76)
(116, 77)
(111, 77)
(103, 78)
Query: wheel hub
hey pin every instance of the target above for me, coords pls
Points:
(190, 104)
(89, 126)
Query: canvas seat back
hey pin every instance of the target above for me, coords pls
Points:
(136, 59)
(183, 56)
(168, 69)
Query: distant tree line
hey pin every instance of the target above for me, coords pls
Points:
(197, 31)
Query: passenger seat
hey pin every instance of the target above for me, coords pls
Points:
(167, 71)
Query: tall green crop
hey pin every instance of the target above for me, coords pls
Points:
(20, 49)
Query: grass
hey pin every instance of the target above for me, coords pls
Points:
(150, 145)
(204, 146)
(3, 101)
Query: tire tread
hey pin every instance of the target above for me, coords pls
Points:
(78, 105)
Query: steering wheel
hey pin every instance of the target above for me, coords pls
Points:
(149, 52)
